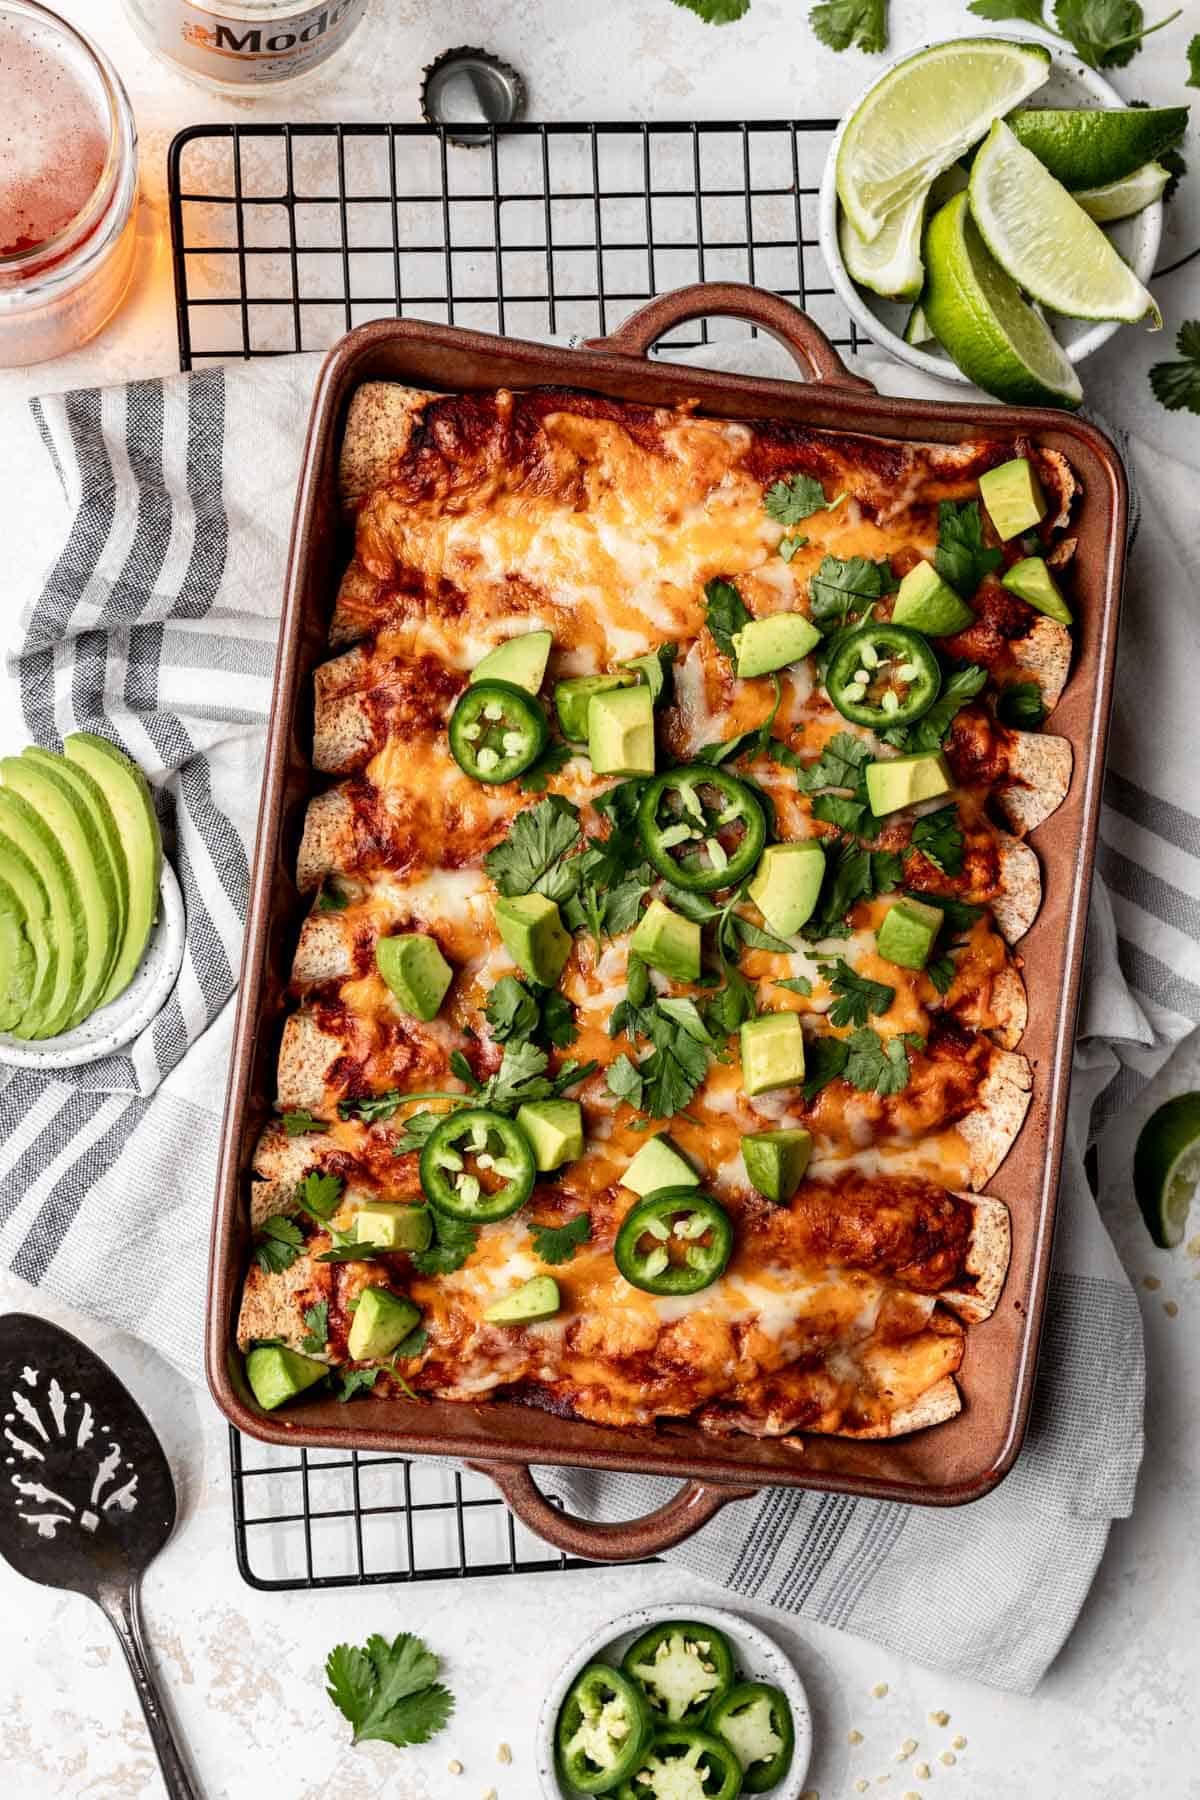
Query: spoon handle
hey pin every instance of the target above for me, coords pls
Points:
(124, 1613)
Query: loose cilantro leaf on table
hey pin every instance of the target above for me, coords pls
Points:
(840, 23)
(555, 1244)
(295, 1124)
(318, 1195)
(389, 1692)
(278, 1244)
(962, 558)
(1176, 385)
(844, 588)
(530, 858)
(940, 840)
(796, 498)
(857, 995)
(316, 1325)
(726, 614)
(875, 1066)
(717, 12)
(453, 1242)
(825, 1058)
(1020, 705)
(1193, 56)
(1107, 34)
(931, 732)
(371, 1108)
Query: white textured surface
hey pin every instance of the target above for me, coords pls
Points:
(1119, 1714)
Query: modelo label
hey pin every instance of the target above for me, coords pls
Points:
(253, 50)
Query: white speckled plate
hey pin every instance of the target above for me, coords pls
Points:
(757, 1656)
(122, 1019)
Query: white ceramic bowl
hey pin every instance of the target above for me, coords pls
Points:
(758, 1658)
(1069, 83)
(122, 1019)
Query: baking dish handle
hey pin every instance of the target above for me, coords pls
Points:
(802, 336)
(622, 1540)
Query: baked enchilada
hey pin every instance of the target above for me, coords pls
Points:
(657, 1015)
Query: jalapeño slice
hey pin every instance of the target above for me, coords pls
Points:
(684, 1760)
(676, 1241)
(701, 827)
(883, 675)
(477, 1166)
(755, 1720)
(682, 1667)
(603, 1730)
(497, 731)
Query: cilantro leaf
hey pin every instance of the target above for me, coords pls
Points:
(960, 915)
(1176, 385)
(1029, 12)
(1106, 33)
(655, 669)
(931, 731)
(788, 546)
(558, 1020)
(415, 1130)
(939, 839)
(961, 558)
(795, 984)
(825, 1058)
(797, 497)
(529, 858)
(839, 810)
(371, 1108)
(556, 1244)
(295, 1124)
(843, 588)
(857, 995)
(388, 1692)
(331, 898)
(536, 778)
(1020, 705)
(941, 972)
(755, 937)
(458, 1065)
(511, 1010)
(318, 1195)
(842, 764)
(520, 1077)
(1193, 56)
(453, 1242)
(887, 870)
(726, 614)
(876, 1067)
(353, 1381)
(316, 1324)
(415, 1344)
(732, 1004)
(278, 1244)
(840, 23)
(623, 1079)
(717, 12)
(571, 1074)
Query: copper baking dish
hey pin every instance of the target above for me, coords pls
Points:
(945, 1466)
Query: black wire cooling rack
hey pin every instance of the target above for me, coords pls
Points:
(286, 236)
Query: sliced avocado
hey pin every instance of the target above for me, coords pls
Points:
(30, 901)
(391, 1226)
(621, 732)
(772, 1052)
(907, 933)
(18, 964)
(787, 883)
(537, 1299)
(765, 645)
(573, 697)
(534, 936)
(1013, 496)
(658, 1164)
(521, 660)
(905, 780)
(776, 1160)
(91, 798)
(71, 823)
(1032, 581)
(924, 602)
(555, 1131)
(381, 1321)
(132, 807)
(277, 1374)
(415, 970)
(25, 833)
(668, 942)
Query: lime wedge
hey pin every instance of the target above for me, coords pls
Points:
(977, 313)
(1166, 1168)
(916, 326)
(891, 263)
(1086, 149)
(1041, 236)
(922, 116)
(1120, 199)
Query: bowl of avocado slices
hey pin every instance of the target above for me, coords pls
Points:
(91, 917)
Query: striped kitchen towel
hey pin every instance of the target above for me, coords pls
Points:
(156, 623)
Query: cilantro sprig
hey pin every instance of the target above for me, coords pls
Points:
(856, 995)
(796, 498)
(1106, 34)
(530, 859)
(555, 1244)
(1176, 385)
(277, 1245)
(389, 1692)
(962, 559)
(726, 613)
(840, 23)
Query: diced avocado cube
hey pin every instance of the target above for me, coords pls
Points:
(415, 970)
(554, 1129)
(658, 1164)
(776, 1160)
(537, 1299)
(1032, 581)
(393, 1227)
(534, 935)
(621, 732)
(787, 883)
(573, 697)
(381, 1321)
(924, 602)
(906, 780)
(907, 933)
(765, 645)
(1013, 497)
(277, 1374)
(521, 660)
(668, 942)
(772, 1052)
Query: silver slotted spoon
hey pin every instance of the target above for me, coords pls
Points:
(86, 1496)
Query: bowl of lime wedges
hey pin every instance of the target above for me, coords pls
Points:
(991, 212)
